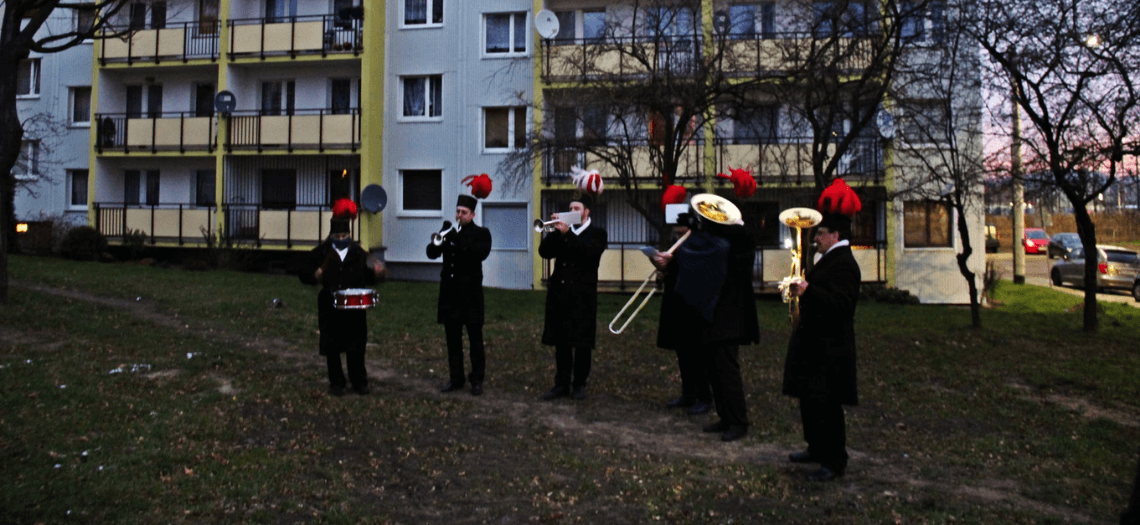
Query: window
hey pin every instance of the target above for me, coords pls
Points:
(846, 19)
(84, 18)
(280, 11)
(208, 11)
(588, 25)
(422, 190)
(81, 106)
(423, 12)
(746, 21)
(138, 14)
(135, 192)
(276, 96)
(504, 128)
(922, 22)
(77, 182)
(755, 124)
(152, 187)
(278, 188)
(27, 166)
(28, 78)
(594, 25)
(342, 184)
(152, 100)
(506, 33)
(203, 103)
(344, 95)
(423, 96)
(926, 224)
(204, 188)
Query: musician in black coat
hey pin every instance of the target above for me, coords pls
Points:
(464, 248)
(337, 264)
(696, 395)
(572, 299)
(820, 365)
(718, 306)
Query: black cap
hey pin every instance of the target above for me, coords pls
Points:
(836, 222)
(467, 201)
(586, 200)
(340, 226)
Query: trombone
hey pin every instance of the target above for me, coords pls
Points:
(798, 218)
(572, 218)
(438, 237)
(708, 207)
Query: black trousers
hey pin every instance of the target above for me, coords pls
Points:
(723, 367)
(356, 371)
(825, 431)
(569, 360)
(694, 377)
(453, 330)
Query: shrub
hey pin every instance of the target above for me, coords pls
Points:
(83, 243)
(135, 241)
(886, 294)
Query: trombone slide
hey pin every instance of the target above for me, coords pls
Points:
(638, 292)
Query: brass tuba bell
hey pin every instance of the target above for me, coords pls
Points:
(798, 218)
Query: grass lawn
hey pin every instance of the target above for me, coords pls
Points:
(133, 394)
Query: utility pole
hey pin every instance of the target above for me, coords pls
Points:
(1018, 193)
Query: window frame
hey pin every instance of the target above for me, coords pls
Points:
(927, 207)
(27, 167)
(34, 72)
(512, 32)
(404, 211)
(429, 100)
(71, 193)
(512, 131)
(71, 107)
(430, 9)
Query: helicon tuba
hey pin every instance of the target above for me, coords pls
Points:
(798, 218)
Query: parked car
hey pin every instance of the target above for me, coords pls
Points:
(1116, 268)
(1062, 243)
(1136, 289)
(1035, 240)
(992, 241)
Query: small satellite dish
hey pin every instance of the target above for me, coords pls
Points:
(886, 124)
(374, 198)
(546, 23)
(225, 102)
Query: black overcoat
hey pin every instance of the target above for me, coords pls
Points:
(461, 278)
(734, 316)
(820, 365)
(341, 330)
(572, 291)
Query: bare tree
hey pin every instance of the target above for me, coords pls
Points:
(20, 34)
(940, 136)
(1071, 67)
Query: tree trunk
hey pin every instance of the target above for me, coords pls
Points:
(11, 133)
(963, 267)
(1087, 230)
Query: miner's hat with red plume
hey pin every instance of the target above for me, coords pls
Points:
(480, 189)
(344, 212)
(674, 194)
(838, 203)
(743, 183)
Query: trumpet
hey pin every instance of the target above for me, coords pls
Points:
(572, 218)
(798, 218)
(438, 237)
(708, 207)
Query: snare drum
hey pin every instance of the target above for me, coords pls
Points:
(355, 299)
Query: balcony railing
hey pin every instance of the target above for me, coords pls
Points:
(318, 129)
(787, 158)
(189, 224)
(295, 35)
(178, 41)
(638, 57)
(557, 164)
(180, 131)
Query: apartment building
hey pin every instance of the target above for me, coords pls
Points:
(331, 97)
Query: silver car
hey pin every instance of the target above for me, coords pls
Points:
(1116, 268)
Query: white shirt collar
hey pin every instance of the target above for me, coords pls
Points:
(843, 242)
(578, 229)
(342, 253)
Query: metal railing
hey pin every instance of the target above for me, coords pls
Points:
(177, 41)
(167, 131)
(556, 164)
(294, 35)
(318, 129)
(784, 158)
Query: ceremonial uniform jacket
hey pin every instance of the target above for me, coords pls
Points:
(461, 278)
(820, 365)
(572, 291)
(341, 330)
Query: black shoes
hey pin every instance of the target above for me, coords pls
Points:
(556, 392)
(825, 474)
(734, 433)
(364, 390)
(578, 394)
(699, 408)
(681, 402)
(802, 457)
(476, 389)
(719, 426)
(451, 386)
(337, 391)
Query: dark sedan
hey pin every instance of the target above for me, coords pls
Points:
(1062, 243)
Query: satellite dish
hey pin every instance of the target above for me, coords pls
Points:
(886, 124)
(546, 23)
(225, 102)
(374, 198)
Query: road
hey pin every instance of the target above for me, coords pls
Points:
(1037, 273)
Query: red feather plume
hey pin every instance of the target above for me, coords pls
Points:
(344, 209)
(743, 183)
(480, 185)
(839, 198)
(673, 194)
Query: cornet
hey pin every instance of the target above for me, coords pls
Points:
(438, 237)
(572, 218)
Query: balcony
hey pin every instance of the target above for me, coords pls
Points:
(630, 58)
(296, 35)
(788, 159)
(308, 129)
(180, 132)
(180, 41)
(186, 224)
(557, 163)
